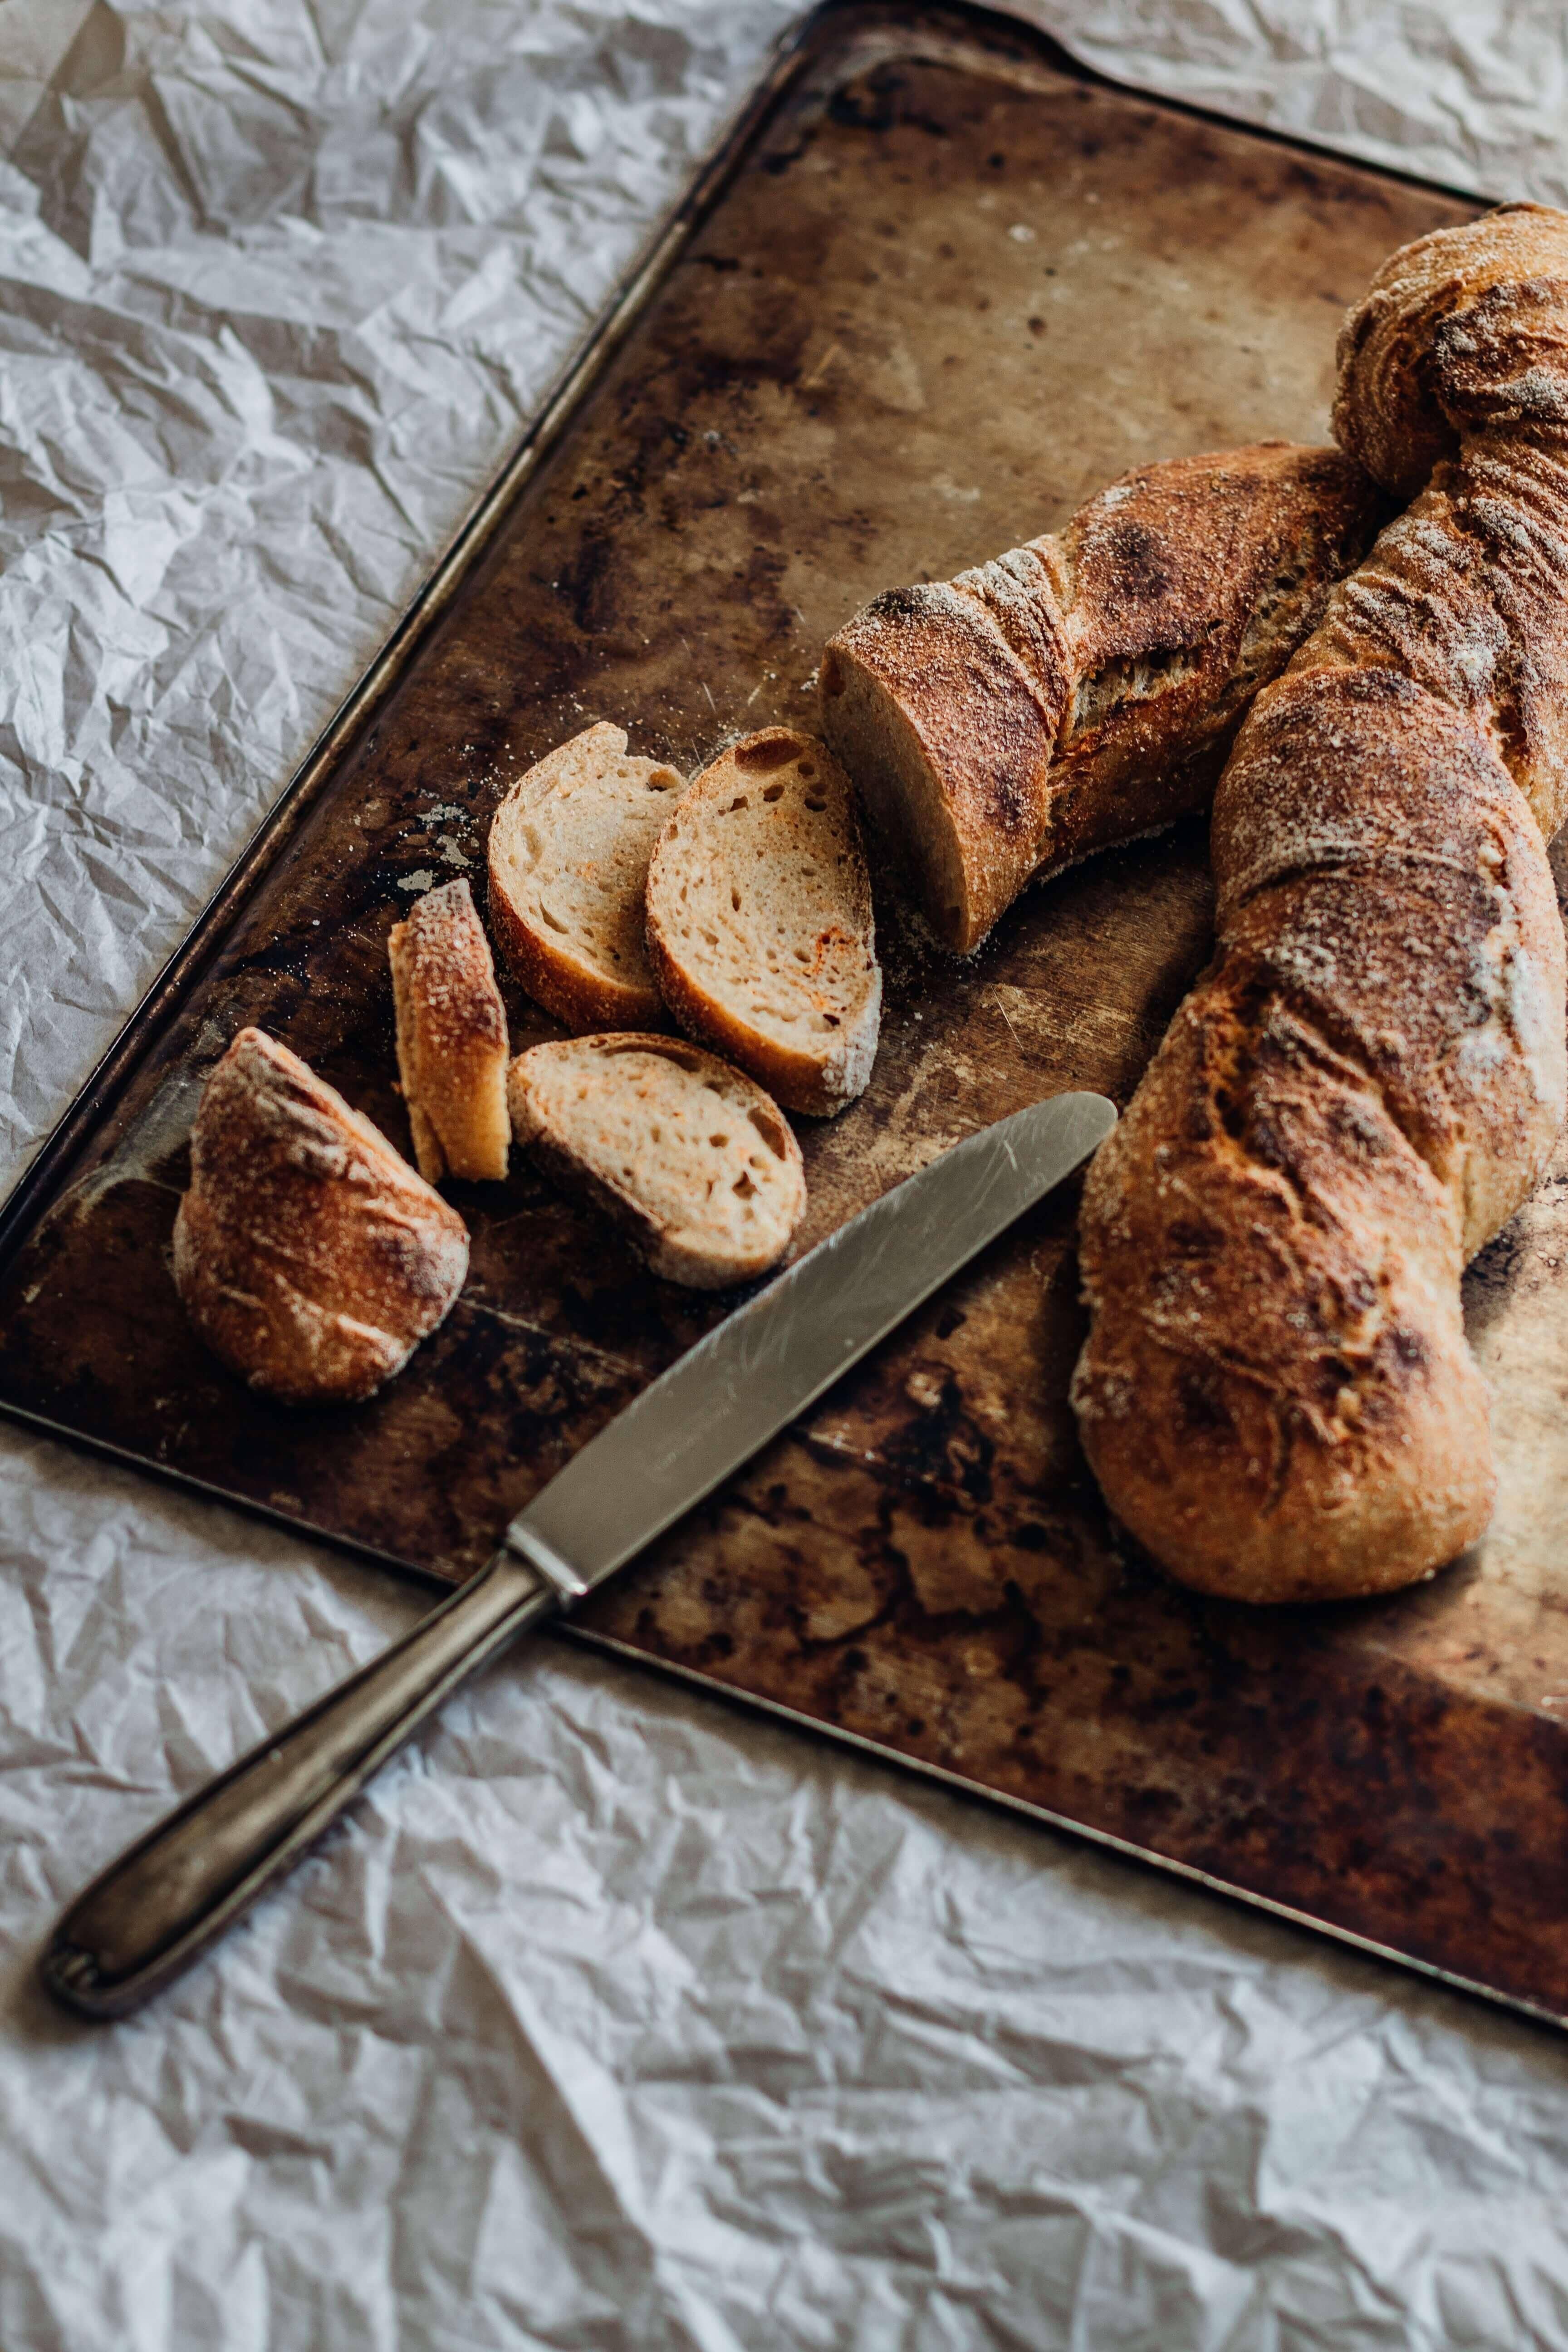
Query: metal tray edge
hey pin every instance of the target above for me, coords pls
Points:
(977, 1793)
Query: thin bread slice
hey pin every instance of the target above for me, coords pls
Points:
(451, 1036)
(307, 1253)
(759, 921)
(568, 859)
(696, 1162)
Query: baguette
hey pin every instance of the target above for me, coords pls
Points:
(1276, 1392)
(760, 930)
(451, 1036)
(309, 1255)
(568, 870)
(1084, 689)
(695, 1161)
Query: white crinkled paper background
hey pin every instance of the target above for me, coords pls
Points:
(615, 2017)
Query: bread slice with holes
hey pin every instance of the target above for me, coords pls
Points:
(568, 864)
(451, 1036)
(759, 921)
(699, 1164)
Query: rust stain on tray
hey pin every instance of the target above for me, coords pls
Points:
(950, 290)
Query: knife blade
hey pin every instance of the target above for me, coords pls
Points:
(145, 1918)
(771, 1359)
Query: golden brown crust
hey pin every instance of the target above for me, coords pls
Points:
(949, 739)
(308, 1254)
(1276, 1397)
(451, 1036)
(1460, 330)
(1085, 688)
(1458, 355)
(1375, 862)
(1276, 1393)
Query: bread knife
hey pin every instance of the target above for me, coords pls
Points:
(150, 1913)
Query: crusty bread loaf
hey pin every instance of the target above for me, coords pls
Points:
(309, 1255)
(568, 865)
(694, 1159)
(1276, 1392)
(759, 921)
(1085, 688)
(451, 1036)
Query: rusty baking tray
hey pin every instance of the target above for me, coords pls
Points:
(938, 288)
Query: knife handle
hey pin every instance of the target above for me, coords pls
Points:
(152, 1912)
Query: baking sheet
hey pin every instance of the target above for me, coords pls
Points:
(936, 240)
(849, 2061)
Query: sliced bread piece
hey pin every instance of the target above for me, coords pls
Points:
(568, 858)
(307, 1253)
(694, 1159)
(759, 921)
(451, 1036)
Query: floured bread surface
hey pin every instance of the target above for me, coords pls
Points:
(759, 921)
(568, 861)
(309, 1255)
(1084, 689)
(694, 1159)
(451, 1036)
(1276, 1394)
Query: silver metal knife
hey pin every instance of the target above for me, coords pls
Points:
(149, 1915)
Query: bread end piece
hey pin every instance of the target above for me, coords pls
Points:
(1277, 1400)
(309, 1255)
(695, 1161)
(1083, 690)
(931, 712)
(568, 857)
(760, 927)
(451, 1037)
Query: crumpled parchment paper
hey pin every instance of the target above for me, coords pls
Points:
(614, 2017)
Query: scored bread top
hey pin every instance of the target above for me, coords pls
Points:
(308, 1254)
(568, 865)
(1277, 1393)
(758, 920)
(697, 1161)
(1084, 689)
(451, 1036)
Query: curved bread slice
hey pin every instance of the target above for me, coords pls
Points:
(672, 1143)
(309, 1255)
(451, 1036)
(759, 921)
(568, 861)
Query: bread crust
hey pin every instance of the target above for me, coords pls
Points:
(1460, 329)
(1276, 1393)
(579, 982)
(308, 1254)
(823, 981)
(1085, 688)
(703, 1246)
(452, 1048)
